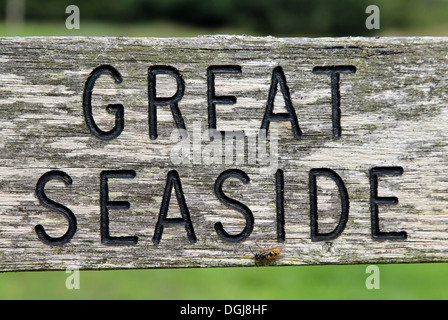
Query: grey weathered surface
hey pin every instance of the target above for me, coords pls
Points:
(394, 113)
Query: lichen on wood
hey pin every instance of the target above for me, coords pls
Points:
(393, 114)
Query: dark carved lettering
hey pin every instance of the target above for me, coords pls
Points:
(213, 100)
(172, 102)
(280, 205)
(279, 79)
(375, 201)
(234, 204)
(315, 234)
(115, 109)
(334, 73)
(173, 181)
(57, 207)
(107, 205)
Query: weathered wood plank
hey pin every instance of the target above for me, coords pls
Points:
(393, 114)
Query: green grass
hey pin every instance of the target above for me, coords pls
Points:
(152, 29)
(433, 31)
(169, 29)
(410, 281)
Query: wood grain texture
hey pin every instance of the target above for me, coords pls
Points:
(394, 112)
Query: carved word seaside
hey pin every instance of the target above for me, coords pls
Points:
(174, 181)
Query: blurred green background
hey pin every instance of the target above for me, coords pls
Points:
(178, 18)
(253, 17)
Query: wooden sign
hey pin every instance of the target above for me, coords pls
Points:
(222, 151)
